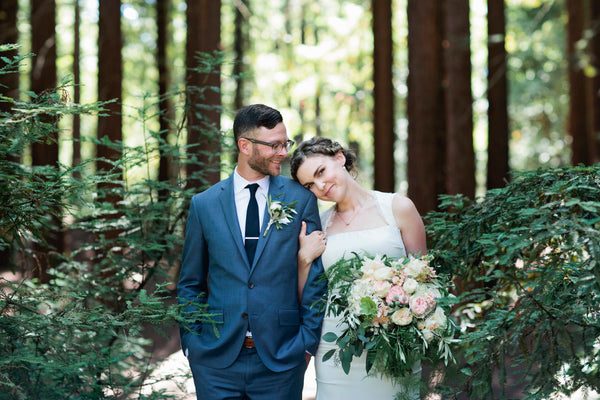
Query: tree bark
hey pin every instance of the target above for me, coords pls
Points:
(460, 155)
(110, 77)
(203, 92)
(166, 110)
(383, 95)
(595, 80)
(43, 71)
(45, 151)
(497, 166)
(9, 83)
(426, 126)
(578, 124)
(76, 158)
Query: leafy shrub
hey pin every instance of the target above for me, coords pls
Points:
(526, 261)
(80, 335)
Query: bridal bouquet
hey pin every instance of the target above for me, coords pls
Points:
(393, 309)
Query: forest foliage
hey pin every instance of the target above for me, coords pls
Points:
(526, 262)
(79, 333)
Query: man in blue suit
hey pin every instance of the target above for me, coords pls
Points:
(263, 335)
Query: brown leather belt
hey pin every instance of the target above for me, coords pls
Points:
(249, 343)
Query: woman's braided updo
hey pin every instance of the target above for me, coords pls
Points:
(319, 146)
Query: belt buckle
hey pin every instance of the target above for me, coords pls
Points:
(249, 343)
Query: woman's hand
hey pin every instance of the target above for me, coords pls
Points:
(311, 247)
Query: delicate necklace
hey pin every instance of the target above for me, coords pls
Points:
(349, 221)
(354, 214)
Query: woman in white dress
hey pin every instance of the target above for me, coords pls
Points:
(362, 221)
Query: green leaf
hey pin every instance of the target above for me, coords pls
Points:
(330, 337)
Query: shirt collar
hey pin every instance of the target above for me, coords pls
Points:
(239, 183)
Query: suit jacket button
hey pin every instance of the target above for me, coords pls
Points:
(251, 285)
(244, 315)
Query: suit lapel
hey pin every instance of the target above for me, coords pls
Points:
(227, 201)
(276, 185)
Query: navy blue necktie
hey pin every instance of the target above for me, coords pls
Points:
(252, 225)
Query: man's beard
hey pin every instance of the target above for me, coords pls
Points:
(263, 166)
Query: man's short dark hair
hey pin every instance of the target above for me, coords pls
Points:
(254, 116)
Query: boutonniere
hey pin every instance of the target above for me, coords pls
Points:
(279, 213)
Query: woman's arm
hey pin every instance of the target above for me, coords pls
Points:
(311, 247)
(410, 224)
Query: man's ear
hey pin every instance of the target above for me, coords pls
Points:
(244, 146)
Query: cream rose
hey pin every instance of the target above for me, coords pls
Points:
(402, 317)
(436, 321)
(381, 288)
(410, 285)
(383, 273)
(417, 269)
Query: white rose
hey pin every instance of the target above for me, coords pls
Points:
(428, 335)
(402, 317)
(416, 268)
(381, 288)
(383, 273)
(410, 285)
(437, 320)
(370, 265)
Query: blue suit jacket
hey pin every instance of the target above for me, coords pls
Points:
(262, 297)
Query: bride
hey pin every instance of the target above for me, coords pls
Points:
(362, 221)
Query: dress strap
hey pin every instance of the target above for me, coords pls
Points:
(384, 204)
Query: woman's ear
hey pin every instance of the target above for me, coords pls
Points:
(341, 158)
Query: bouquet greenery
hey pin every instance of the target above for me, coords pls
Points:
(394, 309)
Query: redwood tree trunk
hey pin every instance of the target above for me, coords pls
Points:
(203, 90)
(426, 126)
(497, 166)
(43, 71)
(45, 152)
(9, 83)
(166, 110)
(383, 96)
(459, 100)
(110, 76)
(595, 81)
(578, 124)
(76, 81)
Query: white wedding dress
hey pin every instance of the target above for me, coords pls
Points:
(332, 381)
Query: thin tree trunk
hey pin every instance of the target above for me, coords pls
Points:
(497, 166)
(578, 123)
(43, 71)
(76, 160)
(110, 76)
(166, 110)
(9, 83)
(426, 126)
(459, 100)
(383, 95)
(203, 35)
(595, 81)
(45, 152)
(240, 43)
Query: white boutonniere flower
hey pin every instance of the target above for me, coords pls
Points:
(279, 213)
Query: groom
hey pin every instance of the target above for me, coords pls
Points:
(248, 275)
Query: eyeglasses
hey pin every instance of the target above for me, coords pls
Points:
(276, 147)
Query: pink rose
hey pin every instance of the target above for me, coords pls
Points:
(419, 306)
(397, 293)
